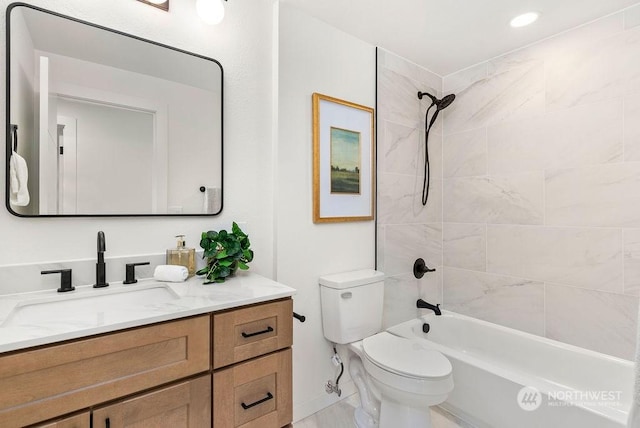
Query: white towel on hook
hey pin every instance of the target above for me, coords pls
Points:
(634, 411)
(19, 176)
(211, 200)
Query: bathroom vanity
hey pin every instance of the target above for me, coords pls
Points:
(213, 355)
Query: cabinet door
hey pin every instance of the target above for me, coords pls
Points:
(185, 405)
(83, 420)
(254, 394)
(44, 383)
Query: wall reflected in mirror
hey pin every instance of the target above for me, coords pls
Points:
(110, 124)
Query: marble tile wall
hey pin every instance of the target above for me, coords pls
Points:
(540, 188)
(407, 230)
(534, 214)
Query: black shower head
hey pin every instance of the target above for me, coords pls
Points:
(440, 104)
(446, 101)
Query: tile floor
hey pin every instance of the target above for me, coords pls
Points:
(340, 415)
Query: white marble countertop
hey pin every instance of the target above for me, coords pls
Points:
(44, 317)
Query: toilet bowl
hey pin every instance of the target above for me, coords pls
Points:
(398, 378)
(402, 378)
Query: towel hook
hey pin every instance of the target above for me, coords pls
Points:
(14, 129)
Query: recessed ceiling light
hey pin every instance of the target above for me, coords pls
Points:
(524, 19)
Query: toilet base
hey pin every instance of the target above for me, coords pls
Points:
(363, 419)
(394, 415)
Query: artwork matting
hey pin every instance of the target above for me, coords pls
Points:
(343, 160)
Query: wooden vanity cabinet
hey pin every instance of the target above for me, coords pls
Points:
(253, 347)
(82, 420)
(185, 405)
(226, 369)
(40, 384)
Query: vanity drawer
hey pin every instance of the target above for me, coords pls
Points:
(40, 384)
(254, 394)
(242, 334)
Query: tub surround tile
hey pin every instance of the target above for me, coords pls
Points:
(603, 322)
(515, 199)
(632, 17)
(602, 70)
(400, 150)
(464, 246)
(632, 128)
(398, 99)
(564, 138)
(632, 261)
(587, 258)
(400, 295)
(509, 301)
(558, 46)
(401, 66)
(402, 292)
(405, 243)
(429, 286)
(597, 196)
(399, 200)
(540, 171)
(380, 247)
(514, 94)
(463, 79)
(465, 154)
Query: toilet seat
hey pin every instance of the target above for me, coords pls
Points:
(406, 357)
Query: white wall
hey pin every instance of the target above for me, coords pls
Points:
(314, 57)
(242, 43)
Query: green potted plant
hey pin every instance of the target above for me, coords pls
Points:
(226, 252)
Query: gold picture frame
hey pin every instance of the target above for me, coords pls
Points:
(344, 178)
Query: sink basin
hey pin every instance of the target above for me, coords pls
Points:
(89, 306)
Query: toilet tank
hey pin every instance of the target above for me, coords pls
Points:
(352, 304)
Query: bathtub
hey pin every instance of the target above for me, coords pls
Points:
(573, 387)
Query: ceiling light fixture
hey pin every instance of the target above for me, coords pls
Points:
(160, 4)
(210, 11)
(524, 19)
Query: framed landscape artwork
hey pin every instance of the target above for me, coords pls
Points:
(343, 160)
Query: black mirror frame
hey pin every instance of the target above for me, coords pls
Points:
(8, 110)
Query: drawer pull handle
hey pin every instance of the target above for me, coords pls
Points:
(267, 398)
(268, 330)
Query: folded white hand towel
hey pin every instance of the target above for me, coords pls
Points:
(19, 175)
(634, 412)
(171, 273)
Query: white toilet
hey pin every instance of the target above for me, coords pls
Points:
(398, 379)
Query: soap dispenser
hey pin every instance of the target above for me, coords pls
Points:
(182, 256)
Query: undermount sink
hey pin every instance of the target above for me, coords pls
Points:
(89, 306)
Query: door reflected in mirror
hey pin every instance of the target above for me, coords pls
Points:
(108, 123)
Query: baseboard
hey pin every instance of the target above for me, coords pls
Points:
(302, 410)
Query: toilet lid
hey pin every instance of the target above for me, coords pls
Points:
(410, 357)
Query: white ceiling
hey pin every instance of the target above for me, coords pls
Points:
(448, 35)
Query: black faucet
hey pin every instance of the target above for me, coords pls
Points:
(65, 279)
(130, 272)
(426, 305)
(101, 266)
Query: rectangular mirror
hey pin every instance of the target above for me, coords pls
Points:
(106, 123)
